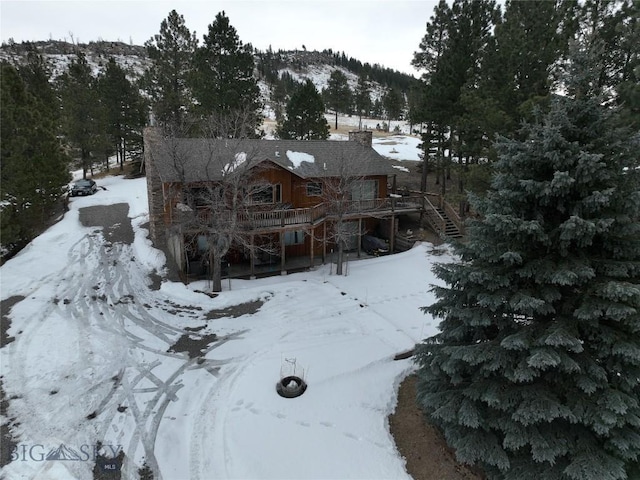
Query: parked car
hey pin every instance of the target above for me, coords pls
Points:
(83, 187)
(374, 245)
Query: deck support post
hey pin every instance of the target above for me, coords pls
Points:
(312, 247)
(360, 234)
(324, 242)
(392, 233)
(252, 258)
(283, 260)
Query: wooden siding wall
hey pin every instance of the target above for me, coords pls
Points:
(294, 189)
(275, 174)
(300, 198)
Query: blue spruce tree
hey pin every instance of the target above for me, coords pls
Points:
(535, 373)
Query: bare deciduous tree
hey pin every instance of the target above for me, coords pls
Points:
(217, 183)
(347, 194)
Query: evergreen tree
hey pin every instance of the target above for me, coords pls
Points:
(394, 105)
(451, 53)
(434, 41)
(82, 115)
(613, 30)
(223, 81)
(124, 109)
(518, 72)
(536, 370)
(362, 98)
(304, 116)
(34, 169)
(166, 80)
(415, 101)
(279, 92)
(377, 110)
(36, 74)
(338, 94)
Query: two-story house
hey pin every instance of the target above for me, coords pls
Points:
(298, 193)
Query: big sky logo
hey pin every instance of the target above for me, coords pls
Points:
(83, 453)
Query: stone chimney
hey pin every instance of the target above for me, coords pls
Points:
(363, 137)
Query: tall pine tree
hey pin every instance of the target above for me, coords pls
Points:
(304, 116)
(223, 81)
(124, 108)
(362, 100)
(451, 55)
(394, 104)
(536, 370)
(338, 94)
(166, 80)
(82, 114)
(520, 64)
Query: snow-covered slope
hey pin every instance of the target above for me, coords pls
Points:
(134, 61)
(319, 75)
(95, 358)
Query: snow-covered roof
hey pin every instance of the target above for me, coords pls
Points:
(196, 159)
(298, 157)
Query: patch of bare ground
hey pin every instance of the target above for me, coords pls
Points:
(427, 455)
(193, 345)
(7, 442)
(235, 311)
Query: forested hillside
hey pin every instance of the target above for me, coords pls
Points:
(278, 71)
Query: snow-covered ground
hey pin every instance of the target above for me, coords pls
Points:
(398, 147)
(394, 147)
(401, 147)
(93, 360)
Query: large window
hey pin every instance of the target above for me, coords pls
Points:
(364, 190)
(267, 194)
(314, 189)
(294, 238)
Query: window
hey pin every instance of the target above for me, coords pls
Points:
(267, 194)
(295, 237)
(314, 189)
(364, 190)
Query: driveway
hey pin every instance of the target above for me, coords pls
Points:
(122, 352)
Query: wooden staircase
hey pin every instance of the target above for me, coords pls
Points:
(442, 218)
(451, 230)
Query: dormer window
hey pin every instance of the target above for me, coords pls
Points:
(266, 194)
(314, 189)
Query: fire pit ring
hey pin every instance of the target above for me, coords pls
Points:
(291, 387)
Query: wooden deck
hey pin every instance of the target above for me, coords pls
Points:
(262, 221)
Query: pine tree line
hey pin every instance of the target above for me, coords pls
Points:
(486, 70)
(270, 62)
(79, 119)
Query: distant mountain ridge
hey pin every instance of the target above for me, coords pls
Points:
(133, 58)
(299, 64)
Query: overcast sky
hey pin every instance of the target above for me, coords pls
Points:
(386, 32)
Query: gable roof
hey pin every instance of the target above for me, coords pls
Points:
(198, 159)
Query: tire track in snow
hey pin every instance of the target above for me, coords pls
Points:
(216, 449)
(92, 298)
(115, 279)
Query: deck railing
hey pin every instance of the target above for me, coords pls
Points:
(295, 216)
(437, 221)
